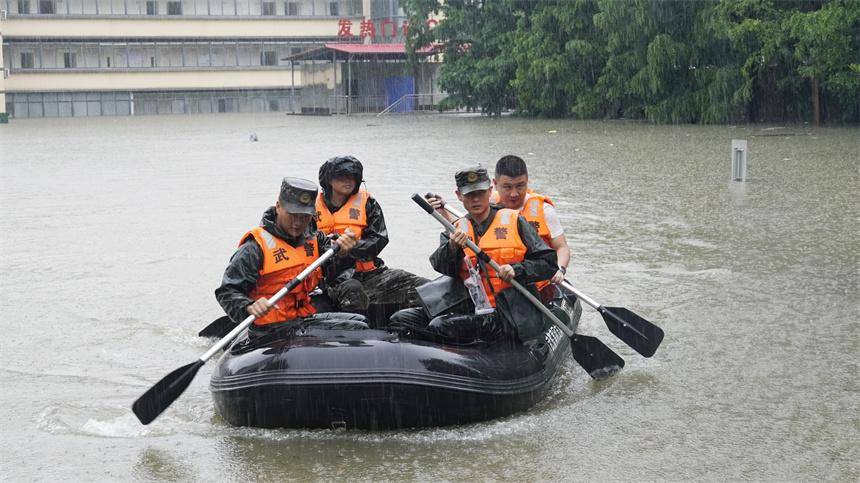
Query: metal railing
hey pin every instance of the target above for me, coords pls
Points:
(416, 101)
(342, 104)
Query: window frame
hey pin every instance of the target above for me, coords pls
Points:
(172, 6)
(268, 58)
(70, 60)
(51, 3)
(32, 59)
(269, 5)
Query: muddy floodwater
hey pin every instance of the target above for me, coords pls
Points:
(114, 233)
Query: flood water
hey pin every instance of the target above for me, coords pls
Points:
(114, 233)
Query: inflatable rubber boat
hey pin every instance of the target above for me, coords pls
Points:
(378, 379)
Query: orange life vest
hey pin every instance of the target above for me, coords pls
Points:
(281, 263)
(352, 215)
(532, 211)
(501, 242)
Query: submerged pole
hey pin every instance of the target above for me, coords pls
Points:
(739, 160)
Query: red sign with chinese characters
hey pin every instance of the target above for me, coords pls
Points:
(387, 28)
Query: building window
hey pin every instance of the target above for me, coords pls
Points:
(70, 60)
(47, 6)
(333, 9)
(174, 8)
(292, 8)
(151, 7)
(295, 50)
(27, 60)
(268, 57)
(268, 8)
(24, 6)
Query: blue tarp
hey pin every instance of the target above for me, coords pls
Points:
(397, 87)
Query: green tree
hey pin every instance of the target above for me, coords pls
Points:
(476, 38)
(709, 61)
(557, 60)
(827, 49)
(666, 62)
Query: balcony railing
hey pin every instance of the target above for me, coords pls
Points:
(270, 9)
(149, 56)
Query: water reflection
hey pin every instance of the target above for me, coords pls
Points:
(467, 452)
(738, 192)
(160, 465)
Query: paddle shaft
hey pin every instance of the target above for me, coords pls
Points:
(581, 296)
(585, 298)
(161, 395)
(272, 301)
(638, 333)
(495, 266)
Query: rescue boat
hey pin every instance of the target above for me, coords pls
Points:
(378, 379)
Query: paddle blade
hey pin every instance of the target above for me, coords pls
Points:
(160, 396)
(599, 361)
(218, 328)
(643, 336)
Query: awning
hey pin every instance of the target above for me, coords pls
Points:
(345, 52)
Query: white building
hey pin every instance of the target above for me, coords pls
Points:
(121, 57)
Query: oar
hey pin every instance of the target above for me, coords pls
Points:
(160, 396)
(218, 327)
(640, 334)
(592, 354)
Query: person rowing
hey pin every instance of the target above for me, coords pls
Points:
(493, 310)
(511, 190)
(272, 254)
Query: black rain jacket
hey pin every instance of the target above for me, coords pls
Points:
(374, 237)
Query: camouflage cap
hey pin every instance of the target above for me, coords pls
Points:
(298, 196)
(473, 178)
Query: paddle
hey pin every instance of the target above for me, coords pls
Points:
(160, 396)
(592, 354)
(638, 333)
(218, 327)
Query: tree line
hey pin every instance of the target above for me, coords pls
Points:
(667, 61)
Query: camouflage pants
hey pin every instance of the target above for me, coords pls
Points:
(377, 293)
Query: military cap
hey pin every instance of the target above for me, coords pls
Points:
(473, 178)
(298, 196)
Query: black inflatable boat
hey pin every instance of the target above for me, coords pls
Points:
(376, 379)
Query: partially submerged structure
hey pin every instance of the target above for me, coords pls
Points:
(345, 78)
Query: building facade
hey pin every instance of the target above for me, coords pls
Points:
(130, 57)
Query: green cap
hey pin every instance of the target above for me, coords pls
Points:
(473, 178)
(298, 196)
